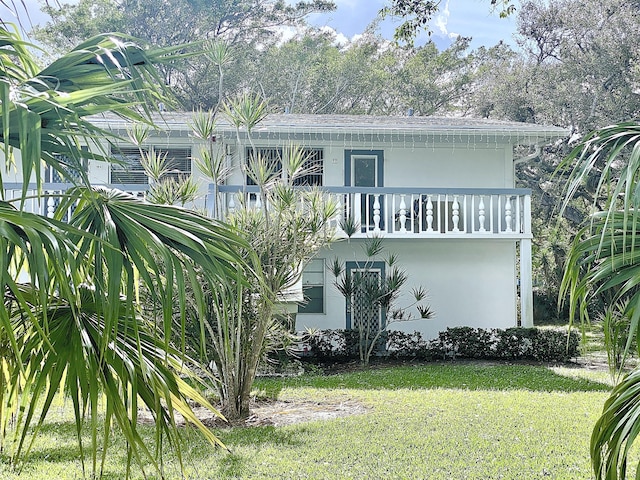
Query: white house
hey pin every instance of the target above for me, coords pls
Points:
(440, 190)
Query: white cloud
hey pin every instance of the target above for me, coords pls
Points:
(286, 34)
(340, 38)
(442, 20)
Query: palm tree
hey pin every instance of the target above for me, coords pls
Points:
(70, 316)
(605, 258)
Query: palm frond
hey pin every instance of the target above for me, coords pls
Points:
(134, 364)
(605, 258)
(71, 313)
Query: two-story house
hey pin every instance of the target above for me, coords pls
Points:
(441, 191)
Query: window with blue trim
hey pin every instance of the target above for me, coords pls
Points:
(313, 287)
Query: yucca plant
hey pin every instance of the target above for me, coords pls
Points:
(605, 258)
(248, 319)
(372, 288)
(212, 162)
(71, 314)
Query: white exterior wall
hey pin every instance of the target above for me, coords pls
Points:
(466, 166)
(469, 282)
(14, 172)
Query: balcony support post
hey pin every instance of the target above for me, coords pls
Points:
(526, 284)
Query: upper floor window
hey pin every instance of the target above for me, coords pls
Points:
(312, 170)
(69, 171)
(131, 171)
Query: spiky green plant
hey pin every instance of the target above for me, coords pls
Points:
(372, 290)
(247, 320)
(605, 258)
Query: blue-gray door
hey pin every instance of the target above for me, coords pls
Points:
(365, 168)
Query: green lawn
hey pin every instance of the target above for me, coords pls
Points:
(438, 421)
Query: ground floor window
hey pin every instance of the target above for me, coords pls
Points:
(313, 287)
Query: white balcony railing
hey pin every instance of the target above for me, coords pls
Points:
(411, 212)
(397, 212)
(52, 193)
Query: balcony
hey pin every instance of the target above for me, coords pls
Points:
(390, 212)
(415, 212)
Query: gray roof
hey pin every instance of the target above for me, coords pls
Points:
(367, 124)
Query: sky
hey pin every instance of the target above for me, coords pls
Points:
(468, 18)
(471, 18)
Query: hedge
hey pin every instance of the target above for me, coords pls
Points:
(545, 345)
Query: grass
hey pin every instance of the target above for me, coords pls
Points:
(453, 420)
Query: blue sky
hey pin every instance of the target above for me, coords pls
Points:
(470, 18)
(456, 17)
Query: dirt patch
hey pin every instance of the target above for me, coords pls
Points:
(277, 413)
(281, 413)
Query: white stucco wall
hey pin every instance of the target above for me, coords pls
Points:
(470, 283)
(452, 166)
(13, 171)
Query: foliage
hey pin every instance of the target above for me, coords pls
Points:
(544, 345)
(313, 73)
(415, 15)
(604, 259)
(407, 345)
(613, 433)
(285, 227)
(616, 325)
(70, 319)
(334, 345)
(244, 25)
(372, 290)
(467, 342)
(164, 189)
(561, 41)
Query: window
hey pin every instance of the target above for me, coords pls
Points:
(313, 165)
(131, 171)
(67, 174)
(313, 287)
(313, 168)
(273, 157)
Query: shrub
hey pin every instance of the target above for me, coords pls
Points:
(515, 343)
(406, 345)
(556, 345)
(467, 342)
(457, 342)
(332, 345)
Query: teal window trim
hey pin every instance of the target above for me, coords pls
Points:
(379, 154)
